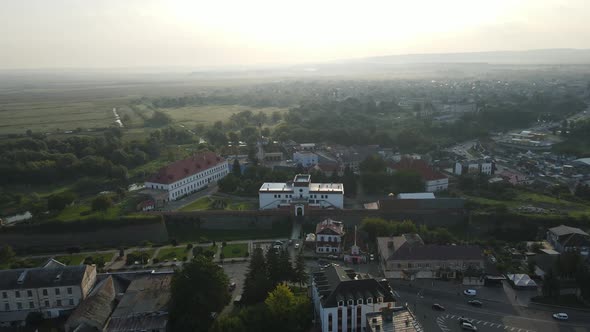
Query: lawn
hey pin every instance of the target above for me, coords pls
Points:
(170, 253)
(24, 263)
(235, 250)
(190, 116)
(242, 206)
(83, 211)
(75, 259)
(200, 204)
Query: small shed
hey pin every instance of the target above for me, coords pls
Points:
(522, 281)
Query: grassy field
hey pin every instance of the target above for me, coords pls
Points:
(203, 203)
(235, 250)
(172, 252)
(192, 115)
(200, 204)
(75, 259)
(84, 211)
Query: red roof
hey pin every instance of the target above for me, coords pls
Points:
(420, 166)
(183, 168)
(330, 226)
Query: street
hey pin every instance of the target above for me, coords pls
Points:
(492, 316)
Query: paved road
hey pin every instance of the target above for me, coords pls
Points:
(492, 316)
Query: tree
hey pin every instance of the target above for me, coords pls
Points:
(101, 203)
(300, 272)
(289, 312)
(273, 268)
(58, 202)
(256, 284)
(280, 301)
(6, 254)
(285, 266)
(236, 168)
(228, 324)
(198, 289)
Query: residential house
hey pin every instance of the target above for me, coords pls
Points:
(300, 194)
(328, 169)
(433, 179)
(474, 167)
(305, 158)
(407, 257)
(187, 176)
(329, 235)
(51, 288)
(565, 238)
(342, 298)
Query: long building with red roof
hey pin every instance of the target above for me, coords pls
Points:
(187, 176)
(433, 179)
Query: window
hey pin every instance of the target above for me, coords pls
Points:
(71, 301)
(359, 301)
(350, 302)
(31, 305)
(4, 295)
(340, 303)
(46, 303)
(19, 306)
(70, 290)
(30, 293)
(379, 299)
(59, 303)
(329, 322)
(6, 307)
(57, 291)
(17, 293)
(369, 300)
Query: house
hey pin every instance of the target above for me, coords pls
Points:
(329, 235)
(407, 257)
(393, 320)
(514, 178)
(305, 158)
(328, 169)
(49, 289)
(565, 238)
(93, 313)
(474, 167)
(187, 176)
(342, 298)
(433, 180)
(300, 194)
(144, 304)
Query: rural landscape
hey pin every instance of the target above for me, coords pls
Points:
(172, 166)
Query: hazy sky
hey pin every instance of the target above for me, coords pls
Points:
(129, 33)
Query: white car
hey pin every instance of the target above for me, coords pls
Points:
(470, 292)
(561, 316)
(468, 326)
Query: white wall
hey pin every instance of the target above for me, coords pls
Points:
(437, 185)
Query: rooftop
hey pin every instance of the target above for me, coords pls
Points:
(411, 247)
(415, 196)
(335, 284)
(181, 169)
(420, 166)
(330, 226)
(51, 275)
(95, 310)
(399, 319)
(566, 230)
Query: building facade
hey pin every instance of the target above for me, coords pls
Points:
(305, 158)
(52, 287)
(301, 193)
(189, 175)
(474, 167)
(329, 235)
(407, 257)
(342, 298)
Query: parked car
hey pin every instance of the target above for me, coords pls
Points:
(323, 264)
(464, 320)
(332, 257)
(438, 307)
(476, 303)
(468, 326)
(470, 292)
(561, 316)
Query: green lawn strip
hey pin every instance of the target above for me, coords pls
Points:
(241, 206)
(169, 253)
(75, 259)
(200, 204)
(235, 250)
(84, 211)
(24, 263)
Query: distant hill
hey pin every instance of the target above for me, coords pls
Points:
(536, 57)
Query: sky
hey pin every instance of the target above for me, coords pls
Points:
(218, 33)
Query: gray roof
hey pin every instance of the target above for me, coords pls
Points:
(41, 277)
(95, 310)
(566, 230)
(410, 247)
(336, 283)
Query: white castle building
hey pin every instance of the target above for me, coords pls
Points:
(301, 193)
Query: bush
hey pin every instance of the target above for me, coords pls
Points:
(189, 246)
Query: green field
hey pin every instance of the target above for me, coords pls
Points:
(203, 203)
(75, 259)
(192, 115)
(200, 204)
(235, 250)
(170, 253)
(84, 211)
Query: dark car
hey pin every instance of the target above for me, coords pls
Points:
(476, 303)
(438, 307)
